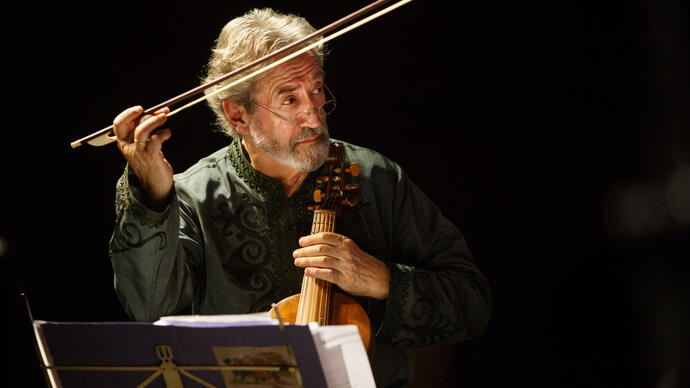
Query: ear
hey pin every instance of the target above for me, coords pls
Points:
(237, 116)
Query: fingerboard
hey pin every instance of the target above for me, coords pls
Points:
(315, 299)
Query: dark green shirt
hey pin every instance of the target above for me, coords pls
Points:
(224, 246)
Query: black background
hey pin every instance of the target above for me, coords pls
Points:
(551, 133)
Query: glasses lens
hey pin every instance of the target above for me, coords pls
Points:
(328, 107)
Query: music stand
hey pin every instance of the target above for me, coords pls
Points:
(139, 354)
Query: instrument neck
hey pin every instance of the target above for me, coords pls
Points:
(315, 299)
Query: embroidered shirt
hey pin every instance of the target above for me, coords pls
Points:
(224, 246)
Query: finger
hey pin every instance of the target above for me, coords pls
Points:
(148, 125)
(318, 261)
(329, 275)
(140, 144)
(165, 110)
(315, 251)
(322, 238)
(122, 124)
(155, 143)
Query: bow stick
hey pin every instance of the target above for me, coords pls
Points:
(104, 136)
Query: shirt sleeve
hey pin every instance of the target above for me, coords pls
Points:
(154, 255)
(437, 294)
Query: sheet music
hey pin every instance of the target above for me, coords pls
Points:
(217, 320)
(339, 347)
(343, 357)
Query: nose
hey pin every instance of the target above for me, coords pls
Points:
(313, 118)
(312, 115)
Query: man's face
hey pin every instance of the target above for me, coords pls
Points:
(280, 127)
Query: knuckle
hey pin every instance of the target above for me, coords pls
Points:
(117, 125)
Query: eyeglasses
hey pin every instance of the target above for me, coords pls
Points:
(324, 109)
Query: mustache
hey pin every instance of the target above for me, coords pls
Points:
(307, 132)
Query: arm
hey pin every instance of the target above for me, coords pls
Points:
(431, 290)
(154, 249)
(155, 255)
(437, 294)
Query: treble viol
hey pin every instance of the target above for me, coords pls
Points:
(106, 136)
(316, 302)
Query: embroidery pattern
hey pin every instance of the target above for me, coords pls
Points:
(436, 326)
(129, 236)
(425, 324)
(125, 201)
(257, 223)
(398, 295)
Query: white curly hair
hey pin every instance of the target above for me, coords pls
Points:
(242, 41)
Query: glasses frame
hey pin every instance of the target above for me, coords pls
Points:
(306, 111)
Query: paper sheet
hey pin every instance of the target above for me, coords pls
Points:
(218, 320)
(343, 357)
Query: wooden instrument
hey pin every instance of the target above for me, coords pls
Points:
(316, 302)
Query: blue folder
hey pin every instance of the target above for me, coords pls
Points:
(133, 354)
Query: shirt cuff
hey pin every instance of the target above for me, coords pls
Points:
(127, 192)
(395, 304)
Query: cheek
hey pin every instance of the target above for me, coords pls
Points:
(282, 131)
(272, 127)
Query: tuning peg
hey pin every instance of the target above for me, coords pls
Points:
(318, 195)
(311, 208)
(353, 169)
(350, 200)
(352, 186)
(321, 179)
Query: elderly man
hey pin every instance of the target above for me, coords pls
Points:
(232, 233)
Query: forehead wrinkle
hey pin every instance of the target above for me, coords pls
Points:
(290, 89)
(285, 79)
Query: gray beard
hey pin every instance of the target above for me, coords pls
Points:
(307, 159)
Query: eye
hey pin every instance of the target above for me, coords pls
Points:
(289, 100)
(318, 90)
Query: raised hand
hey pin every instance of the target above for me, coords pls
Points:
(140, 141)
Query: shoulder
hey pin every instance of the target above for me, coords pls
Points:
(380, 178)
(370, 161)
(208, 173)
(204, 166)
